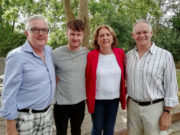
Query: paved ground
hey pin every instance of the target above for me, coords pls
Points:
(86, 126)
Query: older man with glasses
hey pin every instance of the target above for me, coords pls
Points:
(29, 83)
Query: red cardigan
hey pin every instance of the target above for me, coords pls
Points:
(91, 67)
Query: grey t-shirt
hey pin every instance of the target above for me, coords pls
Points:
(70, 69)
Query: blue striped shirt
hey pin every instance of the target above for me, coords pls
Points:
(29, 82)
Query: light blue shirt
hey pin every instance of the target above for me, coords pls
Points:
(28, 83)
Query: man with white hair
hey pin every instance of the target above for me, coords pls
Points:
(29, 83)
(151, 84)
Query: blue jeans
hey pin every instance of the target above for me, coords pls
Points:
(104, 117)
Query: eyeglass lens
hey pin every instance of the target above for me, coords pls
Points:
(37, 30)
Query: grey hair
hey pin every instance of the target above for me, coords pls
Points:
(35, 17)
(142, 20)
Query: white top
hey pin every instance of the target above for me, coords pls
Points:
(108, 77)
(152, 77)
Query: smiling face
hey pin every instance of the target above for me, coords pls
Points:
(75, 38)
(142, 34)
(105, 38)
(37, 40)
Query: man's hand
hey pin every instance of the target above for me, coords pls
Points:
(165, 121)
(11, 127)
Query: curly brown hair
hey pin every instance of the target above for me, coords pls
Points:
(95, 44)
(76, 25)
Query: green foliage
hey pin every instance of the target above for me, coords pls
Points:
(10, 41)
(175, 20)
(119, 14)
(57, 38)
(11, 14)
(123, 31)
(136, 9)
(106, 12)
(98, 14)
(168, 39)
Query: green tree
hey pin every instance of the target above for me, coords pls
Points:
(175, 20)
(167, 32)
(120, 15)
(169, 40)
(9, 37)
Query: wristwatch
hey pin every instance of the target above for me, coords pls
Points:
(168, 111)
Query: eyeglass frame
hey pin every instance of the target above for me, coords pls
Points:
(37, 32)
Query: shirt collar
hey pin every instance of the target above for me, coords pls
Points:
(27, 47)
(151, 49)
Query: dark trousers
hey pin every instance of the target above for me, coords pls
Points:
(104, 117)
(62, 113)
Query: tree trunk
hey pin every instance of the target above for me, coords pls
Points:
(83, 15)
(68, 12)
(1, 13)
(13, 26)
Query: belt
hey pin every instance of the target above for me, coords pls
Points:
(33, 111)
(147, 102)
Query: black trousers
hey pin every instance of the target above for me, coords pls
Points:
(62, 113)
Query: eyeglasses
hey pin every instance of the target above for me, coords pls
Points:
(37, 30)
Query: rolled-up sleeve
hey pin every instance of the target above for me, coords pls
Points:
(11, 84)
(170, 83)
